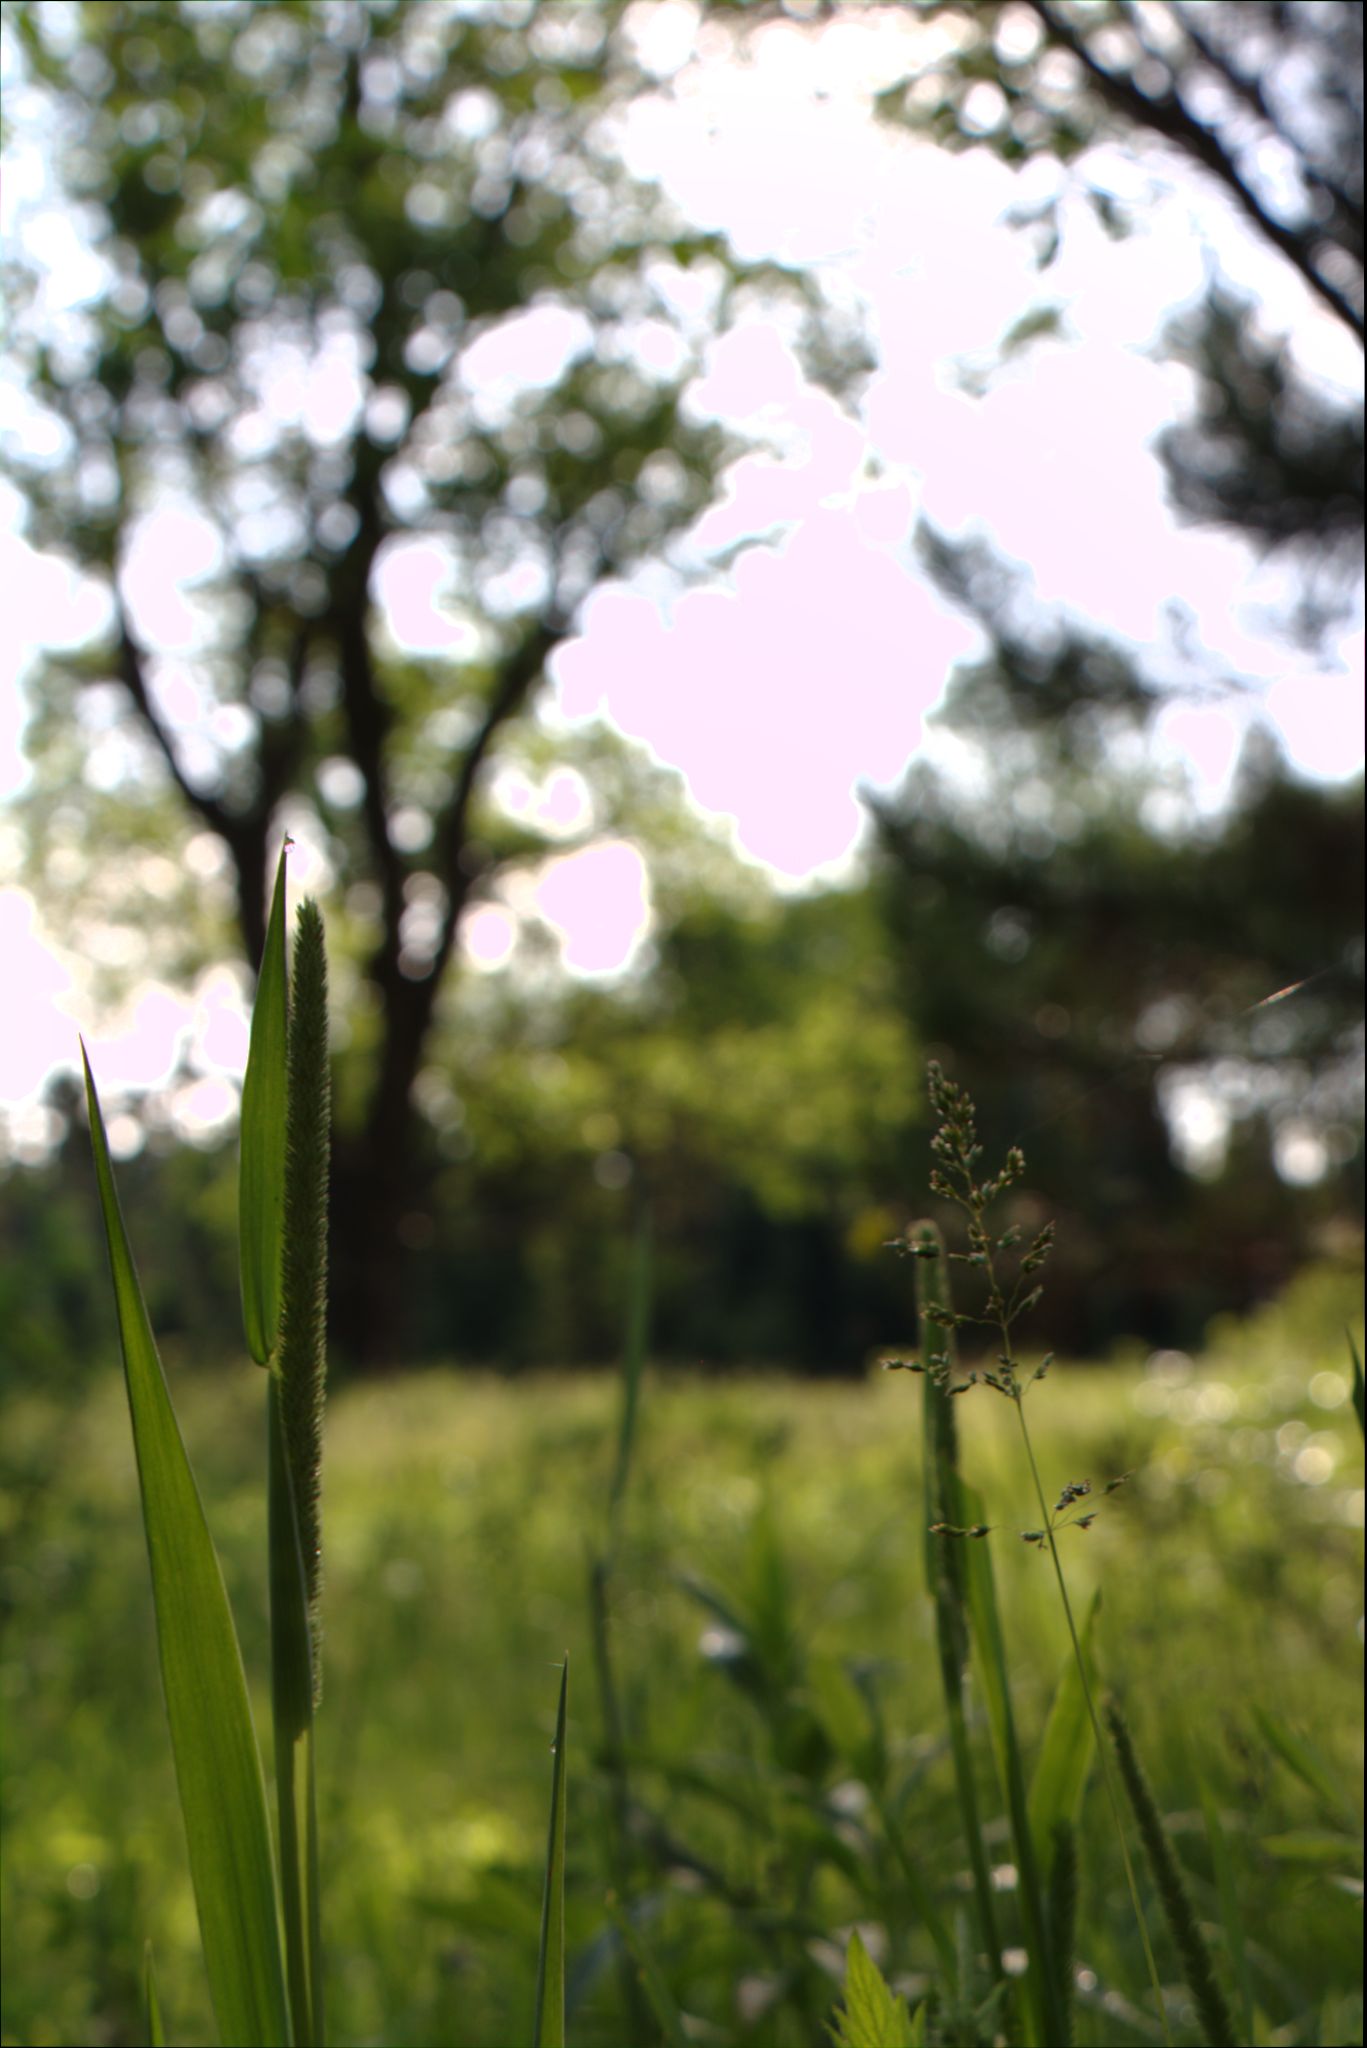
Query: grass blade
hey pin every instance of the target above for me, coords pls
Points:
(945, 1562)
(1358, 1389)
(549, 2025)
(295, 1440)
(1041, 1984)
(151, 2004)
(261, 1178)
(651, 1978)
(1231, 1913)
(218, 1765)
(1217, 2022)
(1305, 1763)
(1069, 1743)
(633, 1362)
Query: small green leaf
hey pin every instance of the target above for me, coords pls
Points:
(549, 2026)
(218, 1765)
(872, 2016)
(261, 1181)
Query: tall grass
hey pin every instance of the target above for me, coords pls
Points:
(259, 1908)
(831, 1835)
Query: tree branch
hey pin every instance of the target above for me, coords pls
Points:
(243, 832)
(521, 671)
(1167, 117)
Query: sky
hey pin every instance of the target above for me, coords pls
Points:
(808, 669)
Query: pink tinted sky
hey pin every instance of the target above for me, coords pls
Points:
(809, 668)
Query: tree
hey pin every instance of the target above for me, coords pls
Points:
(1265, 98)
(317, 226)
(1263, 102)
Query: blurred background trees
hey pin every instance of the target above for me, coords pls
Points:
(291, 354)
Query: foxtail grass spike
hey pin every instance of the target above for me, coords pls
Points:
(302, 1355)
(1217, 2022)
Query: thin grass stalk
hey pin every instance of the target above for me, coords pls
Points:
(1217, 2022)
(1231, 1913)
(636, 1999)
(1062, 1905)
(292, 1715)
(548, 2029)
(1040, 1981)
(151, 2003)
(655, 1991)
(1117, 1816)
(955, 1146)
(945, 1574)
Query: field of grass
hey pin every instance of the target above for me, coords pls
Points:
(777, 1754)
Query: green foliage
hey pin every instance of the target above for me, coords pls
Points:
(871, 2016)
(370, 198)
(435, 1868)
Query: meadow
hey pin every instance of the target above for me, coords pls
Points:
(780, 1752)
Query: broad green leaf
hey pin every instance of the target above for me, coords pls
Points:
(549, 2026)
(156, 2031)
(1069, 1743)
(218, 1766)
(261, 1177)
(872, 2016)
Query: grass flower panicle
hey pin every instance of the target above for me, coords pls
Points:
(954, 1177)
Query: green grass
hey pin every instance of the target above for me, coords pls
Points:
(460, 1515)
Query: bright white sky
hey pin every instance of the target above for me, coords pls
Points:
(810, 668)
